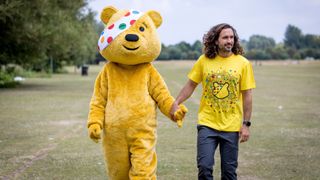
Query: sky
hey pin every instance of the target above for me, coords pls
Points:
(189, 20)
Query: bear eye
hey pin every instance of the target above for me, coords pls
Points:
(141, 29)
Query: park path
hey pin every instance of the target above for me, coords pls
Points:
(42, 153)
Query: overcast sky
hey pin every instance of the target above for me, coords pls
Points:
(188, 20)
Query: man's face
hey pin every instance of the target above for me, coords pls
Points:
(226, 40)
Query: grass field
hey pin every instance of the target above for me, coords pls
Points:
(43, 131)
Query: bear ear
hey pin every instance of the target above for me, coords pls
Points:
(156, 17)
(107, 13)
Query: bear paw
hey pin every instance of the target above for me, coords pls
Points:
(179, 114)
(95, 132)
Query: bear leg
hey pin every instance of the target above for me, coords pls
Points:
(143, 158)
(116, 157)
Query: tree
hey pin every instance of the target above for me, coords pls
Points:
(244, 44)
(278, 52)
(174, 52)
(37, 33)
(197, 49)
(258, 54)
(260, 42)
(182, 50)
(164, 55)
(293, 37)
(311, 41)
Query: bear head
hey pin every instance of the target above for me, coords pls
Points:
(129, 36)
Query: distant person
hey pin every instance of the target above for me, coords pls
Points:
(226, 104)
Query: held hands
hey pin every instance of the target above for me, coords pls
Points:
(178, 112)
(95, 132)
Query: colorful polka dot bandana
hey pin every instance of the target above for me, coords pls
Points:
(113, 30)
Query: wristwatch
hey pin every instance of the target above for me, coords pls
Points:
(246, 123)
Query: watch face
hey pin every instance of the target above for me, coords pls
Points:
(247, 123)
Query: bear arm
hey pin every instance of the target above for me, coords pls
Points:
(160, 93)
(98, 100)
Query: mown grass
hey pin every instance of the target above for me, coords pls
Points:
(43, 127)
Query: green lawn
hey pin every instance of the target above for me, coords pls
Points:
(43, 131)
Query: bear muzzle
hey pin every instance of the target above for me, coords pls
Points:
(132, 37)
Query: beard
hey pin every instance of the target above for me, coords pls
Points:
(226, 48)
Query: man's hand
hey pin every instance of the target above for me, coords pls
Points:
(244, 134)
(178, 116)
(174, 108)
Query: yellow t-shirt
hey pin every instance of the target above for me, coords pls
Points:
(222, 81)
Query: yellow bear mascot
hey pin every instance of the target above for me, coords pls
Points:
(127, 92)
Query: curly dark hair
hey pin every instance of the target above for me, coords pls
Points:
(211, 49)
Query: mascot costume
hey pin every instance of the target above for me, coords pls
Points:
(127, 92)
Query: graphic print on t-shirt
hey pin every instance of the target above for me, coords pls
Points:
(220, 91)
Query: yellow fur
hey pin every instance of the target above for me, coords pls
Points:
(126, 94)
(179, 114)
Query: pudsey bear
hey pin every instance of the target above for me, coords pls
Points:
(127, 92)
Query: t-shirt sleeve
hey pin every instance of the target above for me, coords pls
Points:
(247, 78)
(196, 72)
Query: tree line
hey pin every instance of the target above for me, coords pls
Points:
(296, 45)
(46, 35)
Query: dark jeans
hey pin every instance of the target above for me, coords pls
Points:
(208, 140)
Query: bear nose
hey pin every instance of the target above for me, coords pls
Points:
(132, 37)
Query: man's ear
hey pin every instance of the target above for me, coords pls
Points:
(156, 17)
(107, 13)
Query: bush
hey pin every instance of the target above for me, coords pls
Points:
(8, 74)
(6, 80)
(15, 70)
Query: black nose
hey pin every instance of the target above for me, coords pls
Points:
(132, 37)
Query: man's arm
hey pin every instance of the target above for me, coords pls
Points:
(184, 94)
(247, 110)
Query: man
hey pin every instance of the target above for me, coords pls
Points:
(226, 104)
